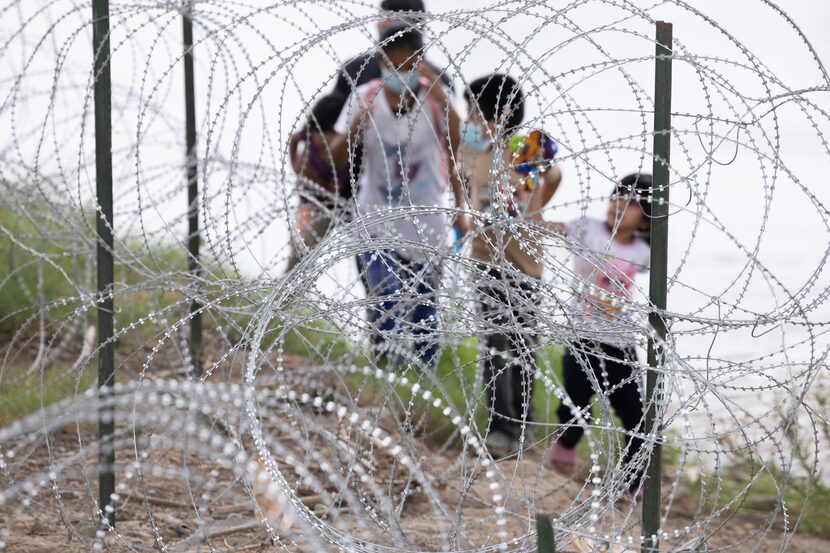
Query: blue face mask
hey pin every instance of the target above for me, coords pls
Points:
(400, 82)
(474, 138)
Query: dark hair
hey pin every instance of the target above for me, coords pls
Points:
(325, 112)
(499, 97)
(399, 36)
(639, 187)
(403, 5)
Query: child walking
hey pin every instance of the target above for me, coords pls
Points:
(325, 188)
(615, 250)
(509, 260)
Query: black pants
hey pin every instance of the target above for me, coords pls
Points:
(612, 368)
(508, 302)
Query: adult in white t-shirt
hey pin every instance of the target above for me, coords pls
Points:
(409, 131)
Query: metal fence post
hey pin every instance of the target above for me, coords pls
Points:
(193, 238)
(658, 277)
(545, 542)
(103, 224)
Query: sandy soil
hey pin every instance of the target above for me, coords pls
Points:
(211, 508)
(163, 506)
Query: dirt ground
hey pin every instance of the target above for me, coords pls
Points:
(189, 500)
(162, 506)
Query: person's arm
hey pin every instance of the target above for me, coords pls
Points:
(553, 178)
(452, 143)
(540, 197)
(293, 146)
(349, 128)
(340, 145)
(462, 222)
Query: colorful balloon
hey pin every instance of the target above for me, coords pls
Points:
(532, 154)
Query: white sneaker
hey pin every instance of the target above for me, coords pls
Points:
(500, 444)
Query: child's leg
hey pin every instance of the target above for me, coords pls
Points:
(498, 382)
(311, 225)
(625, 399)
(576, 363)
(361, 272)
(522, 376)
(379, 271)
(425, 315)
(499, 385)
(523, 346)
(317, 228)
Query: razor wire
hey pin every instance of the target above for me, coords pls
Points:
(305, 426)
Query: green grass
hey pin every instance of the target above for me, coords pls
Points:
(46, 266)
(454, 381)
(815, 519)
(23, 394)
(757, 492)
(31, 268)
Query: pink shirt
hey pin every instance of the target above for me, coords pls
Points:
(603, 282)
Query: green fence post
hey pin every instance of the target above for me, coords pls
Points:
(658, 278)
(103, 224)
(193, 239)
(544, 534)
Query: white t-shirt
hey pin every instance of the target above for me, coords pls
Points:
(404, 166)
(604, 272)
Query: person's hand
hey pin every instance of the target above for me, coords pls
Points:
(462, 224)
(555, 227)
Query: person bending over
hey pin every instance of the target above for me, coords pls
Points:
(507, 198)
